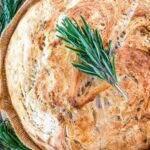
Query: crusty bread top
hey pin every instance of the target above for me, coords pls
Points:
(51, 97)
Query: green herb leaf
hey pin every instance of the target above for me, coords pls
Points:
(8, 137)
(88, 45)
(8, 9)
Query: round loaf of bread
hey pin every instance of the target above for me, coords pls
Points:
(58, 106)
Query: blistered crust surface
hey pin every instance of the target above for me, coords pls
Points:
(44, 85)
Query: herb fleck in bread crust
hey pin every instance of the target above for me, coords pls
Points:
(44, 86)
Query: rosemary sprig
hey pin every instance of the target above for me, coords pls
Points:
(8, 137)
(8, 8)
(88, 45)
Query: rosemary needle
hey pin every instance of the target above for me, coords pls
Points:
(9, 138)
(8, 8)
(88, 45)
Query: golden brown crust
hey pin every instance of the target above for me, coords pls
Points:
(44, 86)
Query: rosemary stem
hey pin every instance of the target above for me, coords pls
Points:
(121, 91)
